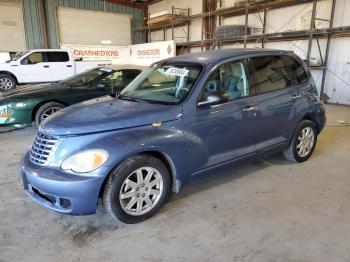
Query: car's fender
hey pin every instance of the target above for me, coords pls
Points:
(165, 142)
(10, 73)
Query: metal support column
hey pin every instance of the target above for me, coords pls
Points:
(329, 38)
(172, 22)
(311, 32)
(188, 30)
(264, 28)
(246, 23)
(149, 29)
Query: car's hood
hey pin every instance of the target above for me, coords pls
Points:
(29, 91)
(105, 114)
(7, 65)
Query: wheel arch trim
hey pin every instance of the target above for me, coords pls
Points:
(311, 116)
(10, 74)
(164, 157)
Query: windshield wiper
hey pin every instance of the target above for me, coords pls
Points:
(130, 98)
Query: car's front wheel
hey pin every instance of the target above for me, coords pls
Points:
(7, 82)
(137, 188)
(47, 110)
(303, 142)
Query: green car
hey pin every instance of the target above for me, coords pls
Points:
(19, 108)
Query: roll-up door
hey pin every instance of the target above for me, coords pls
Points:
(12, 37)
(76, 26)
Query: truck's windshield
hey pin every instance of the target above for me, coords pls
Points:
(163, 83)
(87, 77)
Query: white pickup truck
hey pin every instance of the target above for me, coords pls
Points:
(42, 65)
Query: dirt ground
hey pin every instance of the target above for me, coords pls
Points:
(268, 210)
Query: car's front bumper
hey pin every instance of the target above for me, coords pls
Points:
(60, 191)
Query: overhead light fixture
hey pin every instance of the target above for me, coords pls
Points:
(106, 42)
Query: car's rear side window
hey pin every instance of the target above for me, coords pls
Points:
(270, 73)
(300, 74)
(57, 56)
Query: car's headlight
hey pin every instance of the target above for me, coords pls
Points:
(85, 161)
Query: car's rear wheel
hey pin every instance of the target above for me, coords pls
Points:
(47, 110)
(303, 142)
(7, 82)
(136, 189)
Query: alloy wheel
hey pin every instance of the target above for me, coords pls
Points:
(48, 112)
(305, 142)
(141, 191)
(5, 84)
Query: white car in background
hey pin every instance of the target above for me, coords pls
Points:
(42, 65)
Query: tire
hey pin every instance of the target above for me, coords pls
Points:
(7, 82)
(126, 209)
(294, 152)
(47, 110)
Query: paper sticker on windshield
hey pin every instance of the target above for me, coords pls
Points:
(108, 70)
(173, 71)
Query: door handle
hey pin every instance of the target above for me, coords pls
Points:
(46, 66)
(69, 65)
(250, 108)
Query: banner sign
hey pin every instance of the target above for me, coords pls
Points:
(146, 54)
(141, 54)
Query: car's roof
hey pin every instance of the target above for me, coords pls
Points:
(215, 56)
(127, 66)
(46, 50)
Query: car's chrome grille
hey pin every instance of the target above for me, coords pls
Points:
(42, 149)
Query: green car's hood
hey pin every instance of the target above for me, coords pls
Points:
(30, 92)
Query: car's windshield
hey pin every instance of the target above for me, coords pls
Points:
(19, 55)
(163, 83)
(87, 77)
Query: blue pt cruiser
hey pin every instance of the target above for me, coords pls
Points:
(181, 119)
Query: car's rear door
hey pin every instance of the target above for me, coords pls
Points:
(274, 81)
(60, 65)
(224, 132)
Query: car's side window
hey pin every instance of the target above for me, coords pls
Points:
(112, 79)
(229, 78)
(120, 78)
(299, 71)
(57, 56)
(34, 58)
(270, 73)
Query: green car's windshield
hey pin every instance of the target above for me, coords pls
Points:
(87, 77)
(163, 83)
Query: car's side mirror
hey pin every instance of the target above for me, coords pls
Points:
(214, 98)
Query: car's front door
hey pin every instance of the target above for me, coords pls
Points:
(35, 68)
(223, 132)
(274, 81)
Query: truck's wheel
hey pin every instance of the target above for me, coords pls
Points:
(136, 189)
(7, 82)
(47, 110)
(303, 142)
